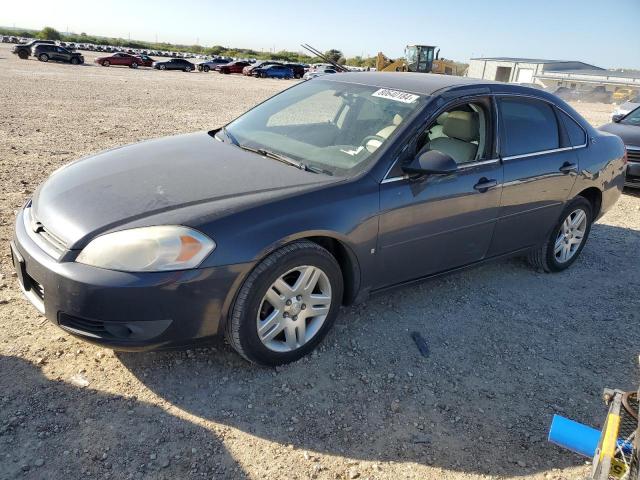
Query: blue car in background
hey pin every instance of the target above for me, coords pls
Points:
(274, 71)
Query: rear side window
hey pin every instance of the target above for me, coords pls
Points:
(528, 126)
(576, 134)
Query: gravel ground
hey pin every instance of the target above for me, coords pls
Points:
(509, 346)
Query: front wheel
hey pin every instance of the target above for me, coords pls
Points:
(187, 69)
(106, 63)
(286, 305)
(75, 61)
(43, 57)
(162, 67)
(567, 239)
(205, 69)
(23, 55)
(134, 65)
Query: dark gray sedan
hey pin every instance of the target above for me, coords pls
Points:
(627, 127)
(334, 189)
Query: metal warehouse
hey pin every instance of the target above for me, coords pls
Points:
(552, 74)
(520, 70)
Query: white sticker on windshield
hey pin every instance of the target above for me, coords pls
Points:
(396, 95)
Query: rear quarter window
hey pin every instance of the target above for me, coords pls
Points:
(528, 126)
(576, 133)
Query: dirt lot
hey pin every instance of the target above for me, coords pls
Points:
(509, 346)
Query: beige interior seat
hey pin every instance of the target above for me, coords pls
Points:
(461, 128)
(436, 130)
(387, 131)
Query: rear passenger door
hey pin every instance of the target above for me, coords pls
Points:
(540, 168)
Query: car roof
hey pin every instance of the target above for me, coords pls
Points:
(422, 83)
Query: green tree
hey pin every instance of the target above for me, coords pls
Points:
(49, 33)
(333, 54)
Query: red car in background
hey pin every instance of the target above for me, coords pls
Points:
(126, 59)
(232, 67)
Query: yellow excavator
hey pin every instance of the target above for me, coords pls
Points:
(417, 58)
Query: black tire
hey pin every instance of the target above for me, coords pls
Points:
(106, 63)
(543, 257)
(134, 65)
(162, 67)
(43, 57)
(75, 61)
(297, 76)
(205, 68)
(23, 54)
(241, 328)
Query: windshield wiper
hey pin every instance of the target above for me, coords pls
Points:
(284, 159)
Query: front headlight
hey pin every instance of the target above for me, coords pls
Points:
(148, 249)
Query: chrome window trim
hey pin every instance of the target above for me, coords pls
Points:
(462, 166)
(541, 152)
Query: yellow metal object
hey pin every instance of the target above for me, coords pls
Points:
(618, 468)
(418, 58)
(610, 436)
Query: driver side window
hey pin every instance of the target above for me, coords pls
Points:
(462, 132)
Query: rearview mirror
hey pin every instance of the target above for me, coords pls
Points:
(617, 117)
(432, 162)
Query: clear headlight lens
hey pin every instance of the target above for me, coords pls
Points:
(148, 249)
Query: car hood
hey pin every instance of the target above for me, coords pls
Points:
(156, 178)
(630, 134)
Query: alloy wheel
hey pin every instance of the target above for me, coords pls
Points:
(294, 308)
(570, 236)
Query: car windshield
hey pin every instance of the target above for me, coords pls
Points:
(633, 118)
(333, 126)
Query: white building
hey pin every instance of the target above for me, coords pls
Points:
(553, 74)
(520, 70)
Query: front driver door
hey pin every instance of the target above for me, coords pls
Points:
(439, 222)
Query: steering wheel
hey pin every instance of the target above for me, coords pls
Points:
(372, 142)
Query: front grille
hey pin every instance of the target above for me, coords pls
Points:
(633, 155)
(51, 243)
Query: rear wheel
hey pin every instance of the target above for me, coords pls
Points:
(23, 54)
(205, 68)
(567, 239)
(106, 63)
(75, 61)
(286, 305)
(134, 65)
(43, 57)
(187, 69)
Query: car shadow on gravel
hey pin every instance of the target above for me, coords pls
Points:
(509, 348)
(95, 434)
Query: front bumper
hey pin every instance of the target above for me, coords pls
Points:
(121, 310)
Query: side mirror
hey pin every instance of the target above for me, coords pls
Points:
(617, 117)
(432, 162)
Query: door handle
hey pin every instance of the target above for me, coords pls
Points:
(485, 184)
(568, 167)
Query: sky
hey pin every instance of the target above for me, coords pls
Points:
(602, 32)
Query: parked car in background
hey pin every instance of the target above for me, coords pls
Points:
(262, 229)
(211, 64)
(24, 50)
(55, 53)
(627, 107)
(125, 59)
(175, 64)
(250, 69)
(319, 73)
(274, 71)
(627, 127)
(298, 70)
(232, 67)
